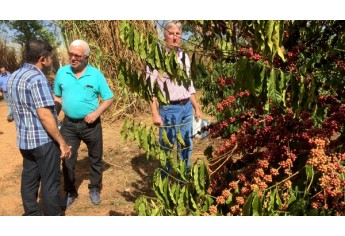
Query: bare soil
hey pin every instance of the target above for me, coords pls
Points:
(127, 173)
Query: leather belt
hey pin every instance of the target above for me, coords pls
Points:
(81, 120)
(179, 102)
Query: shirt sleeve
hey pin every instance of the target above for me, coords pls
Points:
(104, 89)
(41, 93)
(57, 88)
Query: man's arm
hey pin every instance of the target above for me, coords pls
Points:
(156, 118)
(196, 107)
(49, 124)
(90, 118)
(58, 102)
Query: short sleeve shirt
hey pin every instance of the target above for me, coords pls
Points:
(81, 96)
(176, 92)
(3, 81)
(28, 89)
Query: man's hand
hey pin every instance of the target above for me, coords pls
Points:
(90, 118)
(66, 151)
(157, 120)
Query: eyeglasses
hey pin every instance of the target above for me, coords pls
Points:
(76, 56)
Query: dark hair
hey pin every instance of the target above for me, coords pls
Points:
(35, 49)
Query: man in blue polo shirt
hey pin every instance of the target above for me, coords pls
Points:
(77, 88)
(4, 76)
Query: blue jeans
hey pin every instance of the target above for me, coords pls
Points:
(41, 164)
(9, 109)
(91, 134)
(177, 117)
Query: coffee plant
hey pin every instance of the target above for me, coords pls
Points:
(277, 91)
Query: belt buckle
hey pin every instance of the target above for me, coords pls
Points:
(179, 102)
(184, 101)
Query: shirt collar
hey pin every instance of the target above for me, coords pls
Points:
(32, 67)
(178, 50)
(86, 72)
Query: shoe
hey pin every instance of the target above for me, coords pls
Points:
(95, 197)
(70, 198)
(9, 119)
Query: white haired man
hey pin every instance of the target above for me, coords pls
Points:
(77, 88)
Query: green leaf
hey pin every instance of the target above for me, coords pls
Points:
(248, 205)
(123, 30)
(143, 139)
(171, 191)
(204, 180)
(142, 209)
(142, 51)
(229, 199)
(196, 179)
(136, 41)
(158, 57)
(276, 41)
(309, 171)
(273, 93)
(194, 205)
(256, 206)
(160, 96)
(268, 34)
(180, 138)
(181, 209)
(272, 198)
(292, 198)
(131, 38)
(167, 65)
(278, 200)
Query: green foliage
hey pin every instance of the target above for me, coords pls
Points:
(25, 30)
(149, 49)
(267, 38)
(182, 191)
(276, 89)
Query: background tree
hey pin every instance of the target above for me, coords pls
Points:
(18, 32)
(8, 56)
(25, 30)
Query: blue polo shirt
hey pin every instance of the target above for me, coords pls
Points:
(80, 96)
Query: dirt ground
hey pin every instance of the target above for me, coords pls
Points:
(127, 173)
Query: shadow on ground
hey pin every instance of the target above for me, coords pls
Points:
(142, 185)
(83, 170)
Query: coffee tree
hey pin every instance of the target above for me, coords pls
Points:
(277, 91)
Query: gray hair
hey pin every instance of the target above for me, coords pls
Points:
(170, 23)
(83, 44)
